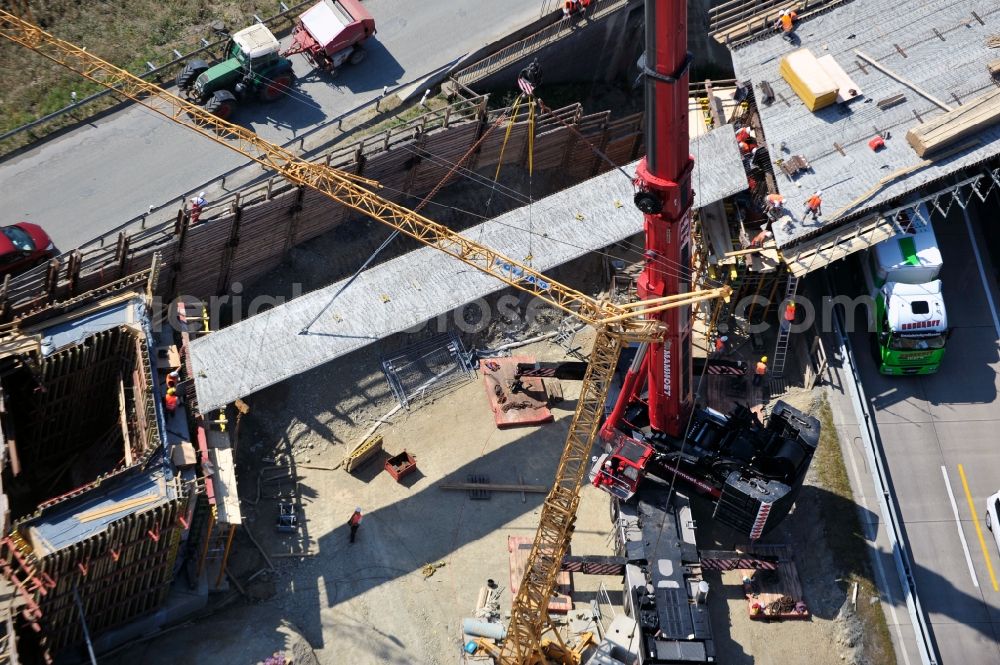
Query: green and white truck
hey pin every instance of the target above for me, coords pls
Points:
(910, 321)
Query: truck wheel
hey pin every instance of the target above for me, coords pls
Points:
(191, 71)
(357, 56)
(275, 88)
(221, 104)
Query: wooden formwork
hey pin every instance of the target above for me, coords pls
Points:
(240, 239)
(120, 573)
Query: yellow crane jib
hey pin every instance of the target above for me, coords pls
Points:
(616, 325)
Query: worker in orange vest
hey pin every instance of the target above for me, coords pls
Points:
(786, 20)
(759, 371)
(814, 205)
(583, 6)
(569, 7)
(745, 148)
(761, 238)
(789, 317)
(744, 134)
(773, 205)
(170, 400)
(354, 522)
(720, 344)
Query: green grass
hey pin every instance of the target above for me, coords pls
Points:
(846, 541)
(126, 33)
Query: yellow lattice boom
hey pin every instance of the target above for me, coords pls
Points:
(617, 325)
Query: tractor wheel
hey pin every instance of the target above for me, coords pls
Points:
(274, 89)
(191, 71)
(221, 104)
(357, 56)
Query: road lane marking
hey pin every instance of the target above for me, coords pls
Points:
(986, 285)
(979, 529)
(958, 524)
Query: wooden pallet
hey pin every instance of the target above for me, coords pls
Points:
(519, 547)
(769, 588)
(532, 401)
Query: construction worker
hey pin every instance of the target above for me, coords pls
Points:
(607, 477)
(354, 522)
(814, 205)
(760, 370)
(173, 378)
(170, 400)
(569, 7)
(744, 135)
(788, 318)
(720, 344)
(583, 6)
(786, 21)
(745, 148)
(197, 203)
(761, 238)
(774, 205)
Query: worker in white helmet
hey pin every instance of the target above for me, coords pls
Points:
(354, 521)
(197, 204)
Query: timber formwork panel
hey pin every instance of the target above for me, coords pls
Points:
(120, 573)
(49, 420)
(581, 160)
(318, 215)
(256, 248)
(492, 147)
(386, 167)
(199, 257)
(550, 148)
(437, 152)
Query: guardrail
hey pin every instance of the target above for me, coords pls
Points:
(152, 71)
(531, 43)
(887, 501)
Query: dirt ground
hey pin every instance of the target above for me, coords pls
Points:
(370, 602)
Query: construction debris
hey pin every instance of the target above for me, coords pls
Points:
(430, 568)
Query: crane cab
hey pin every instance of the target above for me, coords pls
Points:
(619, 472)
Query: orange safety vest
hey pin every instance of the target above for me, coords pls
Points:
(170, 401)
(743, 134)
(775, 200)
(744, 147)
(584, 3)
(790, 312)
(814, 202)
(761, 369)
(355, 519)
(786, 23)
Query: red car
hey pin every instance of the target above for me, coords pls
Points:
(23, 246)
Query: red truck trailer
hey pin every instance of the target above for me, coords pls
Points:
(331, 32)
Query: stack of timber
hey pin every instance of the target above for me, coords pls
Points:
(968, 119)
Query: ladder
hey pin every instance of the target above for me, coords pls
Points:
(784, 332)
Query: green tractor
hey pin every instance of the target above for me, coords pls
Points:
(253, 68)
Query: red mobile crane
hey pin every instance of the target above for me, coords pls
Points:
(752, 471)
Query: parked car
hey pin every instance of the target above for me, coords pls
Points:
(23, 246)
(992, 519)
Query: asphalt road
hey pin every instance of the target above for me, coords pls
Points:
(100, 175)
(940, 435)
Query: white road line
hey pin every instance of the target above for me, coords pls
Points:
(883, 583)
(982, 274)
(958, 524)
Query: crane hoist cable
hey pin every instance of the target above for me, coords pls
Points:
(615, 325)
(392, 236)
(515, 108)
